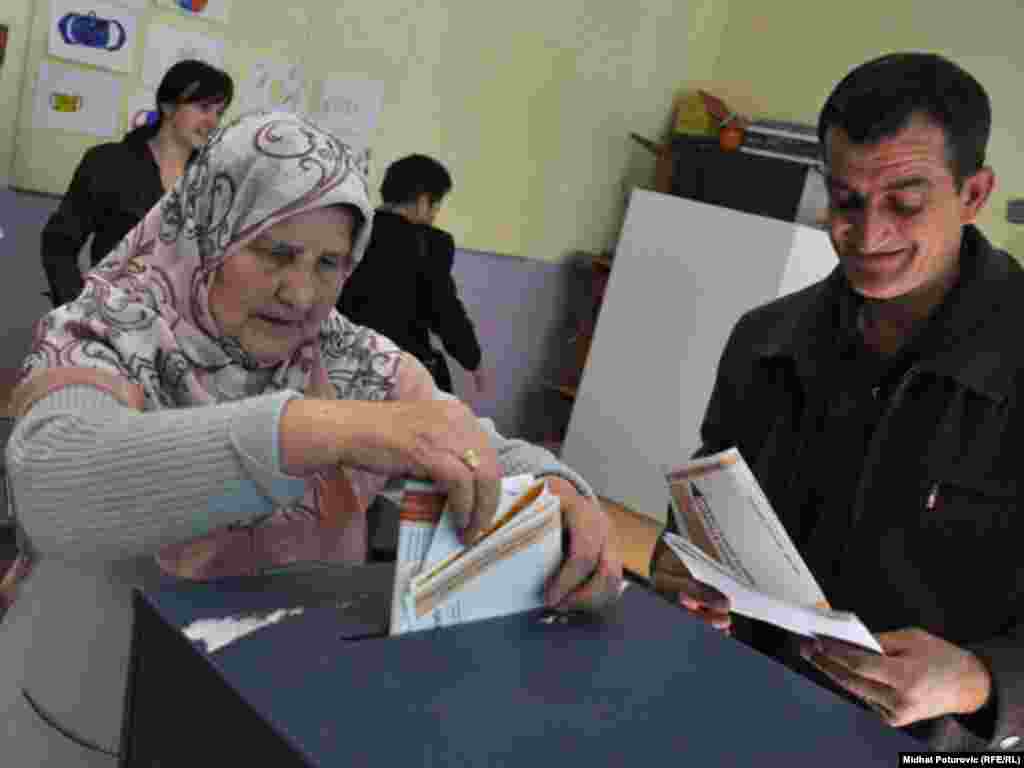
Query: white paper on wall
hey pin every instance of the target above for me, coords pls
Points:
(274, 84)
(93, 33)
(82, 101)
(211, 10)
(166, 46)
(349, 107)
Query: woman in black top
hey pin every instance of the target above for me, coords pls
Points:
(117, 183)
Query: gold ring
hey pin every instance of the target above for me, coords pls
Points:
(470, 458)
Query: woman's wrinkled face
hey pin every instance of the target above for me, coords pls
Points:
(272, 294)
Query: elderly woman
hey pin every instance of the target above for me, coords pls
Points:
(202, 410)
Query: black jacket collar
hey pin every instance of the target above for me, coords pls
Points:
(977, 323)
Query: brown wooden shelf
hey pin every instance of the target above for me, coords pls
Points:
(600, 261)
(565, 390)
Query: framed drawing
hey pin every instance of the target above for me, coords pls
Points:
(93, 33)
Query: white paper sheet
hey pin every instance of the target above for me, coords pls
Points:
(77, 100)
(735, 542)
(739, 523)
(526, 515)
(349, 107)
(446, 536)
(273, 84)
(503, 573)
(166, 46)
(806, 621)
(211, 10)
(488, 584)
(93, 33)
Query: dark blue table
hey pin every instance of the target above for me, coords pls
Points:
(645, 684)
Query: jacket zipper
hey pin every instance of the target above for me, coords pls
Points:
(874, 447)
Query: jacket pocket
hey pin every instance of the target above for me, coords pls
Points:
(974, 518)
(986, 504)
(965, 549)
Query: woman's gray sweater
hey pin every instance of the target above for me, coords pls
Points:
(98, 489)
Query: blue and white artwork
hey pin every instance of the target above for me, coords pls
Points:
(92, 33)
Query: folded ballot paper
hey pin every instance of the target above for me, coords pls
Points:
(734, 542)
(439, 582)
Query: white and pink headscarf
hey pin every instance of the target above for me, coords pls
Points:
(142, 329)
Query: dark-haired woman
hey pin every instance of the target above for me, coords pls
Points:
(117, 183)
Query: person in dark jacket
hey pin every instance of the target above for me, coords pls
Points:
(882, 412)
(117, 183)
(410, 261)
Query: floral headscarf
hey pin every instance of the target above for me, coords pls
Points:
(142, 328)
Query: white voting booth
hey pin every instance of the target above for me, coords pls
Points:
(684, 272)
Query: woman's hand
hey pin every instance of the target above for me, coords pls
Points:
(590, 578)
(427, 439)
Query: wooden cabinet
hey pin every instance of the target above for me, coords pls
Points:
(774, 187)
(594, 270)
(592, 273)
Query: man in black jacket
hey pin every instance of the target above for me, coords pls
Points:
(882, 411)
(403, 287)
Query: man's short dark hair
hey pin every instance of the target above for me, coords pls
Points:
(406, 179)
(878, 99)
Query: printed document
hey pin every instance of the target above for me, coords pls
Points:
(441, 582)
(732, 540)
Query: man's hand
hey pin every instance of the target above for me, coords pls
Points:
(590, 579)
(672, 579)
(921, 676)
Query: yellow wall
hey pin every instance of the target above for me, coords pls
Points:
(708, 21)
(781, 59)
(17, 15)
(530, 104)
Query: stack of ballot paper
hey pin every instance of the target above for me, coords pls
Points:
(440, 582)
(734, 541)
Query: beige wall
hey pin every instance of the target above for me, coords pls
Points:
(17, 15)
(781, 59)
(529, 103)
